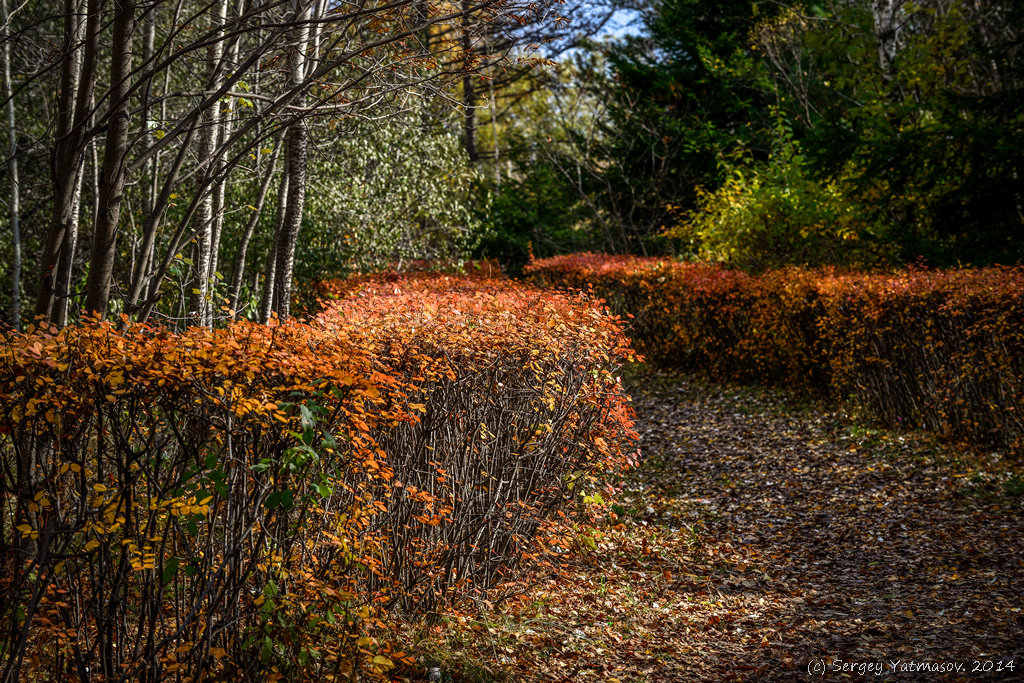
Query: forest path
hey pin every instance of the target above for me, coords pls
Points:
(760, 540)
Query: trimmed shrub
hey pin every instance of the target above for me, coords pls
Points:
(433, 276)
(252, 502)
(515, 407)
(941, 349)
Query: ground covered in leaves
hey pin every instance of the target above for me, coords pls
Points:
(765, 540)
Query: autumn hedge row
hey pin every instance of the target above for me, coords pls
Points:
(251, 502)
(942, 349)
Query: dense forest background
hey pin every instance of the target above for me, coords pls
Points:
(190, 161)
(763, 133)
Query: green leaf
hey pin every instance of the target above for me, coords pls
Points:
(170, 569)
(307, 420)
(280, 499)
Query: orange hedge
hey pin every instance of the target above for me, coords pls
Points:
(942, 349)
(251, 501)
(441, 276)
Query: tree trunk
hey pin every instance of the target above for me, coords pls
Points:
(494, 134)
(115, 151)
(267, 305)
(885, 14)
(468, 89)
(15, 205)
(66, 262)
(77, 83)
(295, 168)
(217, 225)
(201, 312)
(238, 270)
(219, 209)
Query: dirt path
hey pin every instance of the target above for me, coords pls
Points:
(759, 541)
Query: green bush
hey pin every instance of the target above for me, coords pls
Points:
(775, 213)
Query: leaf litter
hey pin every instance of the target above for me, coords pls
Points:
(757, 537)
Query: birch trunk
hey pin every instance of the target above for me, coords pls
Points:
(885, 15)
(201, 312)
(269, 273)
(238, 269)
(219, 209)
(15, 205)
(295, 167)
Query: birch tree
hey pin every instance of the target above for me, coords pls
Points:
(14, 208)
(170, 103)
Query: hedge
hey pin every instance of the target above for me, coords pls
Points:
(254, 502)
(940, 349)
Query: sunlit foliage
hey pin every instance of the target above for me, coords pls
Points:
(254, 502)
(942, 349)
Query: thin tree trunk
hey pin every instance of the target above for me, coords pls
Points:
(217, 226)
(201, 312)
(885, 14)
(219, 209)
(148, 45)
(15, 205)
(159, 201)
(468, 89)
(238, 271)
(77, 83)
(66, 262)
(295, 165)
(143, 270)
(270, 272)
(199, 306)
(494, 133)
(94, 169)
(112, 176)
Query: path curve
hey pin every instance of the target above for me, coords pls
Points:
(762, 541)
